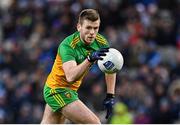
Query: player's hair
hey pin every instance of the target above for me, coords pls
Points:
(88, 14)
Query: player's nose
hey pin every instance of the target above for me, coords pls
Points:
(92, 31)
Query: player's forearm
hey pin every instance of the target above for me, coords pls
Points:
(78, 71)
(110, 82)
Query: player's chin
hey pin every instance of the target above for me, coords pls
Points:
(89, 41)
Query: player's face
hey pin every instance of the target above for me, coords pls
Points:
(88, 30)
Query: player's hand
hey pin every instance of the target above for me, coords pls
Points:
(97, 55)
(108, 103)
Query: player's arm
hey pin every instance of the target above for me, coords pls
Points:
(109, 101)
(110, 82)
(74, 71)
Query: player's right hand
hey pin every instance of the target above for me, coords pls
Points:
(108, 103)
(97, 55)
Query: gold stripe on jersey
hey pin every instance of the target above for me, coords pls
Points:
(74, 42)
(100, 36)
(101, 40)
(73, 46)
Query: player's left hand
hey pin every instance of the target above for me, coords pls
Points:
(108, 103)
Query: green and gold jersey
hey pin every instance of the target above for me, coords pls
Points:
(72, 48)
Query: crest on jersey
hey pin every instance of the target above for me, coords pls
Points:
(68, 94)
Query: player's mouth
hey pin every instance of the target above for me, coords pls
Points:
(90, 38)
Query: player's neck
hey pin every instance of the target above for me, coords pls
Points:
(85, 43)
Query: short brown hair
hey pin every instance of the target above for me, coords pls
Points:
(88, 14)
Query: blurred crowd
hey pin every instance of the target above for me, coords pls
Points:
(146, 32)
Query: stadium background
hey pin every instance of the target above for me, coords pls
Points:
(147, 32)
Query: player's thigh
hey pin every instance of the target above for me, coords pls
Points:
(56, 99)
(77, 112)
(50, 117)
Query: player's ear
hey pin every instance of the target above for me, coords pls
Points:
(78, 27)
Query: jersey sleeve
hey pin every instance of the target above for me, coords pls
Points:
(66, 52)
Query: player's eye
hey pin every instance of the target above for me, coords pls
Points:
(95, 28)
(89, 28)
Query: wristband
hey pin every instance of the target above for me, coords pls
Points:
(88, 58)
(109, 95)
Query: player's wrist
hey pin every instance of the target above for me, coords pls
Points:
(89, 59)
(110, 95)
